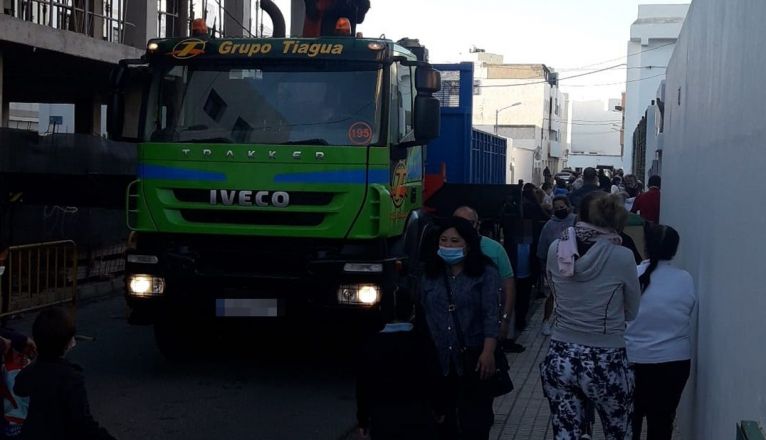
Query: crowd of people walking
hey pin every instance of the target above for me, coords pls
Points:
(619, 325)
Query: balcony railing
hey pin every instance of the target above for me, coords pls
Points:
(100, 19)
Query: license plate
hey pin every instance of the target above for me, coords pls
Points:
(247, 307)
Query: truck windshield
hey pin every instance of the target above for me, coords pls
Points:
(266, 105)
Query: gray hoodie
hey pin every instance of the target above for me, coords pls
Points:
(593, 306)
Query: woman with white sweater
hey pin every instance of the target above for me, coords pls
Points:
(594, 282)
(658, 340)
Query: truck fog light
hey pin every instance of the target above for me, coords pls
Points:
(368, 294)
(359, 294)
(145, 285)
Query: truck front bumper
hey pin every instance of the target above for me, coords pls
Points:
(153, 290)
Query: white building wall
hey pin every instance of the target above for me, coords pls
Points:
(652, 39)
(595, 134)
(713, 160)
(534, 98)
(529, 112)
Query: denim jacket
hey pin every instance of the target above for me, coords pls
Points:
(476, 301)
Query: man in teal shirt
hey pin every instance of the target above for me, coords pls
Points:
(499, 256)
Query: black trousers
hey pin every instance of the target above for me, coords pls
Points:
(468, 413)
(523, 298)
(658, 391)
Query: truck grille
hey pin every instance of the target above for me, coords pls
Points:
(297, 198)
(252, 218)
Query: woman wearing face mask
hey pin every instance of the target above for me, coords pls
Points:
(459, 298)
(561, 220)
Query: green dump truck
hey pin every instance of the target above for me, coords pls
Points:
(275, 176)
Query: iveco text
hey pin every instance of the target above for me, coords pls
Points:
(279, 199)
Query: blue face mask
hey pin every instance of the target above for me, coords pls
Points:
(451, 255)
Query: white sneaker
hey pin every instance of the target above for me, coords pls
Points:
(546, 330)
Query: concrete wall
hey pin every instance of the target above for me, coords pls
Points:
(713, 160)
(652, 38)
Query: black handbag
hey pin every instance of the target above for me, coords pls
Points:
(497, 385)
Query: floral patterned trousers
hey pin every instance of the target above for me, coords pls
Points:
(572, 374)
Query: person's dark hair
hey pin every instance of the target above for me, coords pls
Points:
(589, 175)
(661, 245)
(608, 212)
(655, 181)
(528, 192)
(475, 261)
(564, 199)
(52, 331)
(616, 180)
(547, 185)
(560, 183)
(583, 211)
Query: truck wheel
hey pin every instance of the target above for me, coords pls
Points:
(176, 339)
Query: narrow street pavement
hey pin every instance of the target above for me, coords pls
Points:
(300, 392)
(524, 414)
(303, 392)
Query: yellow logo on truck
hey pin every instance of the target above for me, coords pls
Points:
(189, 48)
(398, 184)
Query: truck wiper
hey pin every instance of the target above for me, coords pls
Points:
(315, 141)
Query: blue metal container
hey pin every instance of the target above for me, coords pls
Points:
(470, 155)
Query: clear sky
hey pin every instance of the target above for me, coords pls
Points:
(563, 34)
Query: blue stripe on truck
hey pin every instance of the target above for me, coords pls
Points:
(160, 172)
(338, 176)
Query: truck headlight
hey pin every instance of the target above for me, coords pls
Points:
(359, 294)
(145, 285)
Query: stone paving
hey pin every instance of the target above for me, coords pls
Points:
(524, 413)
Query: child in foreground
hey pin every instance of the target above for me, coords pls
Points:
(58, 403)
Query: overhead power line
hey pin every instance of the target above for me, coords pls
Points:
(546, 82)
(611, 124)
(649, 67)
(621, 58)
(615, 83)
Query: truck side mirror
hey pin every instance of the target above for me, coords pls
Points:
(128, 87)
(427, 80)
(427, 108)
(427, 118)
